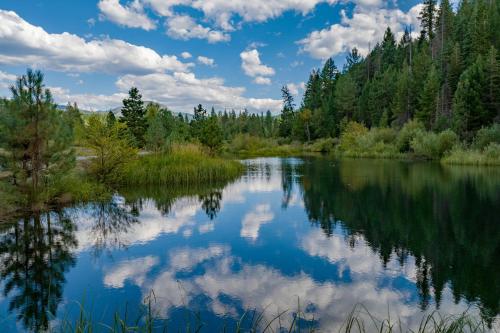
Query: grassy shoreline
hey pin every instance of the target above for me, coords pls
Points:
(183, 165)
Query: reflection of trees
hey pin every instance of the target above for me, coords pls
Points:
(111, 223)
(36, 253)
(287, 179)
(209, 196)
(446, 219)
(210, 203)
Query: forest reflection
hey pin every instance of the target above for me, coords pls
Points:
(445, 217)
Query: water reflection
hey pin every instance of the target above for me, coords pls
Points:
(404, 239)
(446, 218)
(36, 253)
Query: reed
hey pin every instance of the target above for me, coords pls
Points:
(181, 165)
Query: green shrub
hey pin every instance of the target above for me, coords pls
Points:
(407, 134)
(487, 135)
(350, 135)
(323, 145)
(492, 152)
(433, 146)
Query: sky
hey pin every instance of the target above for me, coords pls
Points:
(229, 54)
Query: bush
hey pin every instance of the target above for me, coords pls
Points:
(433, 146)
(407, 134)
(350, 135)
(323, 145)
(487, 135)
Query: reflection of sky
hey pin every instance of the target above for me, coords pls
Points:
(254, 254)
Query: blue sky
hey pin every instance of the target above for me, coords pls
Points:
(223, 53)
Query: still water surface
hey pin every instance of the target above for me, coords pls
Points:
(400, 238)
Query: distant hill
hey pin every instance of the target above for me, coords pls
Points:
(118, 110)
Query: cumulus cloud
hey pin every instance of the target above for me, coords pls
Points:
(252, 221)
(186, 55)
(132, 15)
(206, 61)
(185, 27)
(180, 90)
(224, 13)
(25, 44)
(177, 90)
(364, 27)
(134, 270)
(253, 67)
(294, 88)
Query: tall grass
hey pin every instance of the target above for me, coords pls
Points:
(489, 156)
(182, 165)
(359, 320)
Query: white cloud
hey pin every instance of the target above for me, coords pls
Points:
(181, 91)
(6, 79)
(185, 259)
(132, 16)
(223, 12)
(252, 66)
(134, 270)
(185, 27)
(206, 61)
(25, 44)
(364, 27)
(186, 55)
(265, 288)
(262, 80)
(294, 88)
(250, 225)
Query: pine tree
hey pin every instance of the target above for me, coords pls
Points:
(211, 134)
(388, 49)
(287, 114)
(36, 136)
(427, 18)
(404, 99)
(110, 119)
(469, 112)
(491, 94)
(133, 115)
(353, 58)
(312, 93)
(428, 99)
(345, 98)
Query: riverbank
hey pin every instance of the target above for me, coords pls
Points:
(412, 142)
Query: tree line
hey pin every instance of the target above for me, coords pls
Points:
(447, 78)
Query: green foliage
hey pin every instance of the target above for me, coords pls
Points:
(133, 115)
(487, 135)
(211, 134)
(350, 135)
(407, 134)
(433, 146)
(183, 165)
(287, 114)
(489, 156)
(111, 152)
(35, 138)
